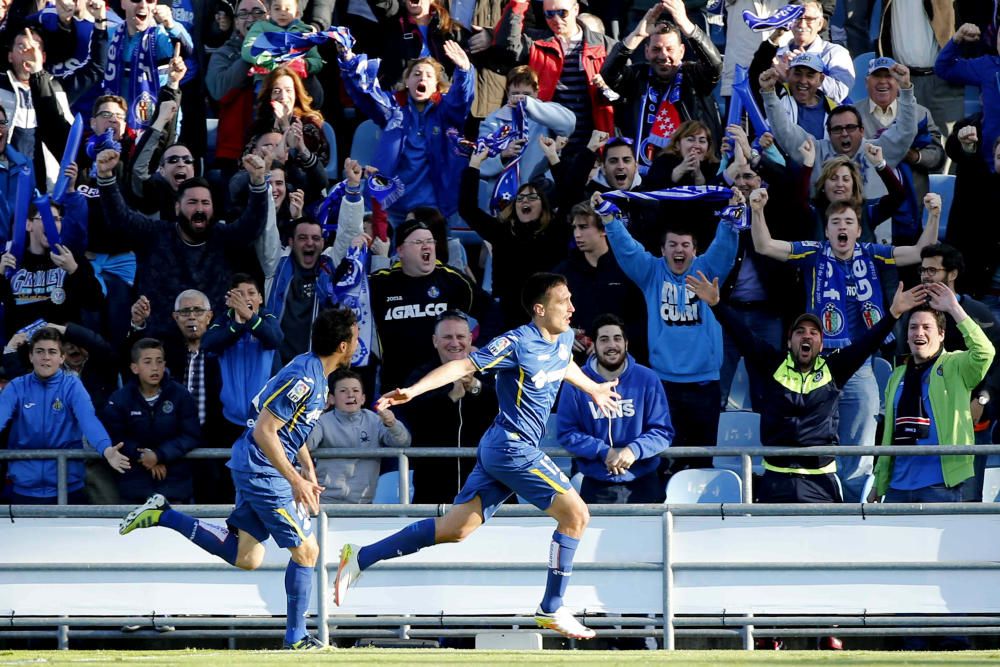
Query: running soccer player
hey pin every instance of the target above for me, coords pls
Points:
(273, 498)
(531, 363)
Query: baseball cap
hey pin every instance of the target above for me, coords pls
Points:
(806, 317)
(407, 227)
(810, 60)
(884, 62)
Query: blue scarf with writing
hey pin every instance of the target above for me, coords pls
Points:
(144, 80)
(829, 297)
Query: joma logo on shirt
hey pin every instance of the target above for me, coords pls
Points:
(626, 408)
(413, 311)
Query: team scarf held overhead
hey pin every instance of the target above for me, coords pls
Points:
(780, 19)
(659, 119)
(736, 215)
(383, 190)
(351, 290)
(144, 81)
(505, 189)
(275, 48)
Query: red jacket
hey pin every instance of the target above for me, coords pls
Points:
(546, 57)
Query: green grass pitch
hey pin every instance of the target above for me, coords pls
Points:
(404, 657)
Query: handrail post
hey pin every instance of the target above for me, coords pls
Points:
(747, 464)
(668, 582)
(322, 609)
(404, 479)
(62, 496)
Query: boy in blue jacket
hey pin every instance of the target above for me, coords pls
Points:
(157, 420)
(50, 409)
(619, 460)
(246, 339)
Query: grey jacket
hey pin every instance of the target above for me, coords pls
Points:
(352, 480)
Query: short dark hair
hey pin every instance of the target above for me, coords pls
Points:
(537, 286)
(951, 258)
(45, 333)
(243, 278)
(665, 27)
(840, 207)
(104, 99)
(331, 328)
(586, 210)
(605, 320)
(678, 229)
(939, 317)
(193, 182)
(144, 344)
(843, 108)
(344, 374)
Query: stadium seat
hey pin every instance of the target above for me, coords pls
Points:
(739, 390)
(738, 429)
(387, 489)
(212, 127)
(882, 370)
(858, 90)
(944, 185)
(991, 485)
(704, 486)
(332, 165)
(363, 143)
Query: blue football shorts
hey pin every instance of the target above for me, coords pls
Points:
(506, 464)
(265, 506)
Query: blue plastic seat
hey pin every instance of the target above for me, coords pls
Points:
(882, 370)
(387, 489)
(366, 138)
(694, 486)
(738, 429)
(858, 90)
(332, 166)
(944, 185)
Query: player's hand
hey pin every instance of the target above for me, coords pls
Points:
(116, 459)
(706, 290)
(307, 492)
(148, 458)
(606, 398)
(394, 397)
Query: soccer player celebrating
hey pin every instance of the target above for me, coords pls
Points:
(531, 362)
(273, 497)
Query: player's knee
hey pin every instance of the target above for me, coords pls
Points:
(306, 554)
(249, 561)
(449, 531)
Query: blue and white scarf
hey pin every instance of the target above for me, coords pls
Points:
(351, 290)
(780, 19)
(828, 300)
(737, 216)
(144, 79)
(506, 186)
(382, 189)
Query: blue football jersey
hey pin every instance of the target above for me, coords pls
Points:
(529, 372)
(296, 396)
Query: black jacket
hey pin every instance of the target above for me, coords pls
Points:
(168, 426)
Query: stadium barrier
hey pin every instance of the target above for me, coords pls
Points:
(700, 570)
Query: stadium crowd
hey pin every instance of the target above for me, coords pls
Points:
(716, 181)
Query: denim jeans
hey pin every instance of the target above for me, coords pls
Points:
(858, 408)
(767, 327)
(936, 493)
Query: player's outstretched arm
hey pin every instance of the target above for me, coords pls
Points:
(265, 434)
(603, 393)
(440, 376)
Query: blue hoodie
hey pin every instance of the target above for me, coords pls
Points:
(643, 425)
(685, 340)
(49, 414)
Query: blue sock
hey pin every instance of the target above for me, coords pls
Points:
(561, 553)
(216, 540)
(298, 586)
(413, 538)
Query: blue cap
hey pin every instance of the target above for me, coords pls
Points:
(880, 63)
(810, 60)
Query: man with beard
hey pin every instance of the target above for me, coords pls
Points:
(658, 95)
(454, 415)
(846, 131)
(188, 253)
(802, 391)
(619, 460)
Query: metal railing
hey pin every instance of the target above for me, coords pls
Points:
(403, 455)
(670, 627)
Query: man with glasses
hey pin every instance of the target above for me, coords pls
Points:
(846, 132)
(453, 415)
(567, 58)
(229, 83)
(664, 91)
(408, 297)
(941, 263)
